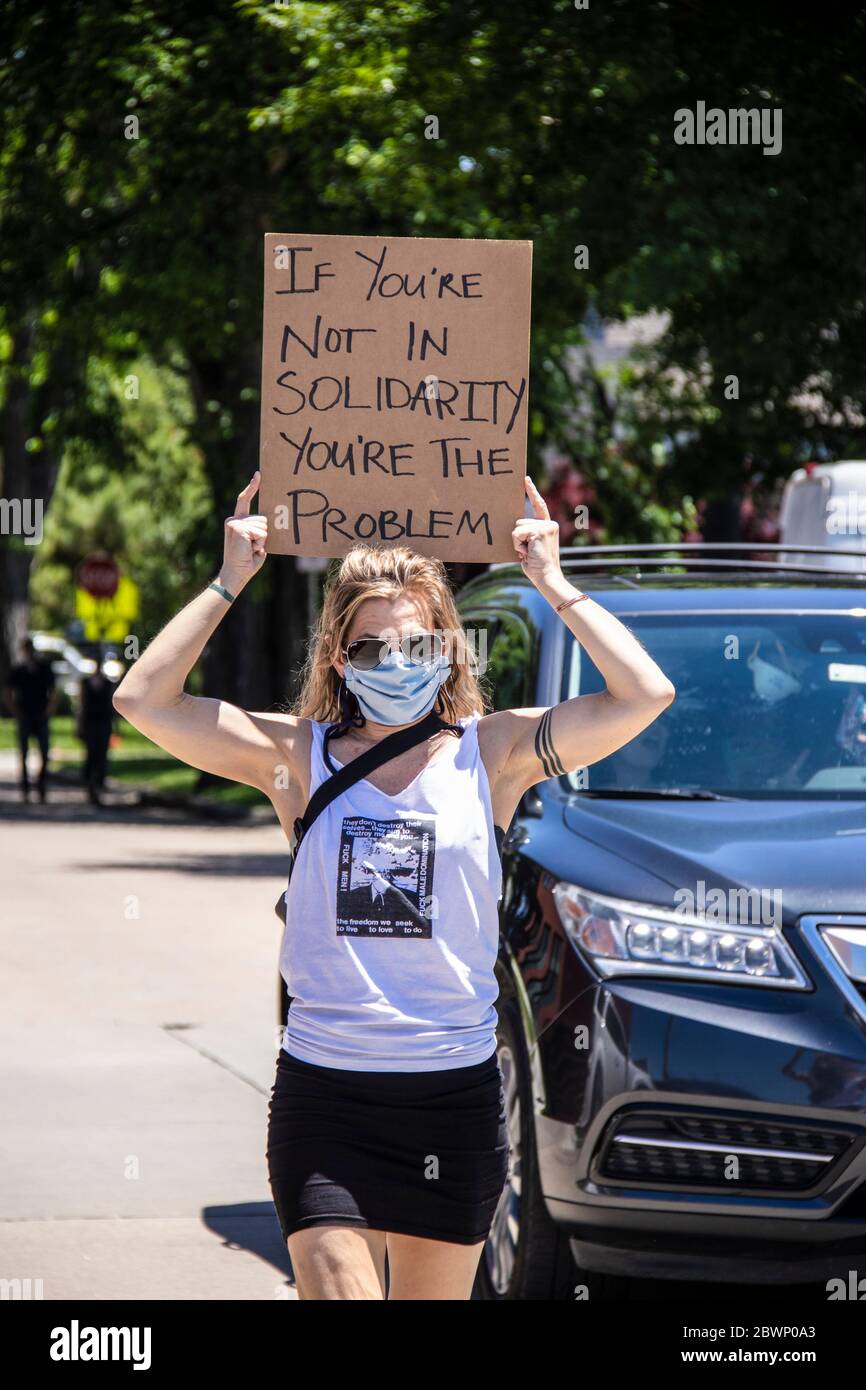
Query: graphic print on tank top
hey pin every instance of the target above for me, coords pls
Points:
(385, 877)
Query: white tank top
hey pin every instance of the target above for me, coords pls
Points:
(392, 920)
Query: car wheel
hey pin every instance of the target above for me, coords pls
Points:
(527, 1255)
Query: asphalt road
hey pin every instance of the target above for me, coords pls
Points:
(138, 1041)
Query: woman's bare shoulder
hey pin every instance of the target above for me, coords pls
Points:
(498, 728)
(291, 732)
(499, 734)
(280, 719)
(495, 737)
(289, 738)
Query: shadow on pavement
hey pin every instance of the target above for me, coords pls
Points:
(251, 1226)
(67, 803)
(227, 865)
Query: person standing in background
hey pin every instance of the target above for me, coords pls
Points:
(31, 697)
(96, 720)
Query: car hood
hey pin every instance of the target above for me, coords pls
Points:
(813, 852)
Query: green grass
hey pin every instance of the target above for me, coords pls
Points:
(135, 761)
(62, 733)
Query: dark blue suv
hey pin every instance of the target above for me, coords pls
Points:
(683, 940)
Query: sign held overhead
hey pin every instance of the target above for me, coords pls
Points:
(395, 377)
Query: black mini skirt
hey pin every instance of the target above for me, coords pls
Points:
(416, 1153)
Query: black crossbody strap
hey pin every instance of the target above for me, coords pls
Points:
(347, 776)
(390, 747)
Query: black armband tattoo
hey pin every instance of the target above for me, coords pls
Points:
(544, 747)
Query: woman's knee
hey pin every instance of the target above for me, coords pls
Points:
(428, 1269)
(338, 1262)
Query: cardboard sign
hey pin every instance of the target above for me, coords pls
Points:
(395, 378)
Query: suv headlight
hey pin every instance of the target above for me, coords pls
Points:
(625, 938)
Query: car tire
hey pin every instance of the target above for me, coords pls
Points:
(527, 1255)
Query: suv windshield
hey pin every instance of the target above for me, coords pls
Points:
(768, 704)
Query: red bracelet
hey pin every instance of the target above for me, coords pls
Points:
(567, 602)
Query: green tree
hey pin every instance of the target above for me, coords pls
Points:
(146, 149)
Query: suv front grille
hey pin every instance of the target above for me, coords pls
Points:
(731, 1153)
(760, 1134)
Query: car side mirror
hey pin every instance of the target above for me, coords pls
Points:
(531, 804)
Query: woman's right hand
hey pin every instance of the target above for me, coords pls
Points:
(244, 550)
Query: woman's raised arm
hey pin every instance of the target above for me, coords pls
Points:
(534, 744)
(210, 734)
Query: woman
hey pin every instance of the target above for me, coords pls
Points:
(387, 1127)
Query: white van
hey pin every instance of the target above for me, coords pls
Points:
(825, 504)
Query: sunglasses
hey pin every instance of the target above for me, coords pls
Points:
(421, 648)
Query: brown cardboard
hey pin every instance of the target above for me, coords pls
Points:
(395, 380)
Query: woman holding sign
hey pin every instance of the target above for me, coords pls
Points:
(387, 1129)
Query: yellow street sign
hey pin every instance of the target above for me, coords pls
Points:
(108, 619)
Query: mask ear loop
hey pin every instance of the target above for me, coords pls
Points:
(439, 708)
(350, 710)
(350, 717)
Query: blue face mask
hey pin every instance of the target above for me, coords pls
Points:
(397, 691)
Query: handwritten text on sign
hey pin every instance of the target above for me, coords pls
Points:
(394, 394)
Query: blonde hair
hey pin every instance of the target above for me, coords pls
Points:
(377, 572)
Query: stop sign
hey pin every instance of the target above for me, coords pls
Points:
(98, 575)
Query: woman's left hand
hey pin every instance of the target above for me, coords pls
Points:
(536, 539)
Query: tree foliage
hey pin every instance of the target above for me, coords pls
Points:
(146, 148)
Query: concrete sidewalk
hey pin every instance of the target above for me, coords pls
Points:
(137, 1051)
